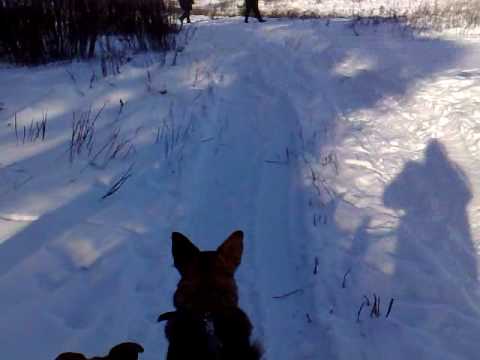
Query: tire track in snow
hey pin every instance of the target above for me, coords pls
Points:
(274, 221)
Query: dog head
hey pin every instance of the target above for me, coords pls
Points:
(207, 281)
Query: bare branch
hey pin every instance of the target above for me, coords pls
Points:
(390, 305)
(293, 292)
(118, 184)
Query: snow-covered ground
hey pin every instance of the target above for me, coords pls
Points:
(350, 162)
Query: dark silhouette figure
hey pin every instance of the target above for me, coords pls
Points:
(123, 351)
(207, 323)
(186, 6)
(252, 5)
(435, 258)
(434, 195)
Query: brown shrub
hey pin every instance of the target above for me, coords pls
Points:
(38, 31)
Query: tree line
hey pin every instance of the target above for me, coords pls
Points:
(39, 31)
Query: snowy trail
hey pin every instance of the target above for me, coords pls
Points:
(245, 177)
(350, 162)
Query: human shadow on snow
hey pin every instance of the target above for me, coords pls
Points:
(435, 266)
(427, 264)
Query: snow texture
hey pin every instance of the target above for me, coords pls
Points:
(350, 162)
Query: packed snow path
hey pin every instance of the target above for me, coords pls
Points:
(350, 162)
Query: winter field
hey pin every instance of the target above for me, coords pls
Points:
(330, 7)
(420, 13)
(349, 156)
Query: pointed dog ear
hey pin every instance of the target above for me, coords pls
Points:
(231, 250)
(183, 251)
(125, 351)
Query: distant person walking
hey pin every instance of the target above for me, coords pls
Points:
(252, 5)
(186, 6)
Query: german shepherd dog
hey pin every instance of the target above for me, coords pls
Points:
(123, 351)
(207, 323)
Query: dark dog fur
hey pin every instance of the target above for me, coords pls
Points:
(123, 351)
(207, 323)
